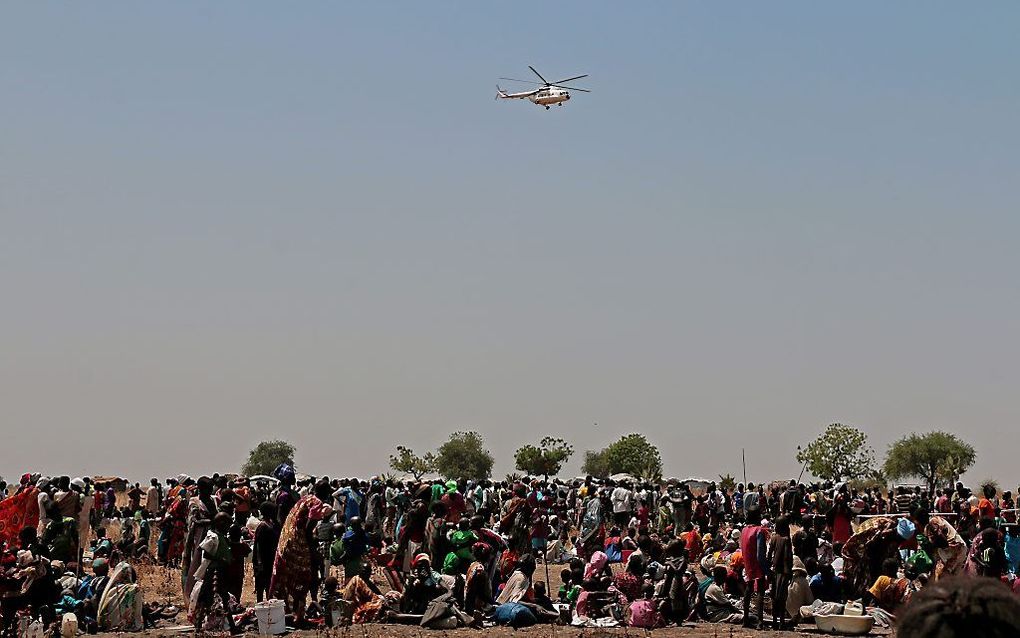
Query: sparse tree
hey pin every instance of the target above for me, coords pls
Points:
(406, 461)
(841, 453)
(727, 482)
(934, 457)
(547, 458)
(631, 454)
(464, 456)
(267, 456)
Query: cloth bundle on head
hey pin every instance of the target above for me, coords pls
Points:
(905, 528)
(78, 482)
(284, 473)
(595, 565)
(451, 487)
(422, 558)
(708, 564)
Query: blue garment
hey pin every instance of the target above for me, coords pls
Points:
(284, 473)
(1012, 553)
(515, 615)
(831, 592)
(355, 543)
(352, 503)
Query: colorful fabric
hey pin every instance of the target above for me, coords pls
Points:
(120, 608)
(292, 570)
(365, 604)
(596, 565)
(16, 513)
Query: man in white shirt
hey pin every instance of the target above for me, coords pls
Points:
(622, 499)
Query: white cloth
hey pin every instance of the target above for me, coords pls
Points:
(622, 499)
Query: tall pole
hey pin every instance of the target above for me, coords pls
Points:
(743, 461)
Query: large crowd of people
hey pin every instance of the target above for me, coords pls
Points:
(446, 554)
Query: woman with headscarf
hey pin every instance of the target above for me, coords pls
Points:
(876, 540)
(120, 607)
(950, 548)
(477, 583)
(597, 566)
(175, 527)
(293, 569)
(516, 523)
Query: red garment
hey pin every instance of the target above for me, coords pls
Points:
(841, 529)
(986, 508)
(694, 546)
(18, 512)
(753, 569)
(455, 506)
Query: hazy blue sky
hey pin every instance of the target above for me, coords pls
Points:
(221, 222)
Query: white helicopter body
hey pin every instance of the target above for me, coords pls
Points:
(546, 95)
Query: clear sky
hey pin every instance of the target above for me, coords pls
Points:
(221, 222)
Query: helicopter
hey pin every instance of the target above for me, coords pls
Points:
(547, 93)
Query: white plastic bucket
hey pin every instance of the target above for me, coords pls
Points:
(69, 626)
(271, 618)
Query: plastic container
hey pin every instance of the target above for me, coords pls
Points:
(271, 618)
(847, 625)
(69, 626)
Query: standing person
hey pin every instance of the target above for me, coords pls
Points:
(753, 549)
(135, 498)
(781, 561)
(286, 497)
(350, 549)
(839, 515)
(593, 529)
(622, 499)
(110, 502)
(201, 510)
(84, 515)
(152, 499)
(293, 566)
(45, 503)
(752, 501)
(215, 582)
(267, 537)
(680, 498)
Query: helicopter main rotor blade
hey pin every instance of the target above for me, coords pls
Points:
(544, 81)
(571, 88)
(576, 77)
(524, 81)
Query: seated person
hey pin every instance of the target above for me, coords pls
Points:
(827, 585)
(718, 606)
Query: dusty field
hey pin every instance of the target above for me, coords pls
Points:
(401, 631)
(164, 585)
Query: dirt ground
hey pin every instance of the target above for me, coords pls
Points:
(544, 631)
(164, 585)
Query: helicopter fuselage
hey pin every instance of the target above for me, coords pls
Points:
(547, 96)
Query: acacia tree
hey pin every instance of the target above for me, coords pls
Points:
(632, 454)
(267, 456)
(547, 458)
(406, 461)
(935, 457)
(841, 453)
(464, 456)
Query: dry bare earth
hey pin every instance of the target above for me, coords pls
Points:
(164, 585)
